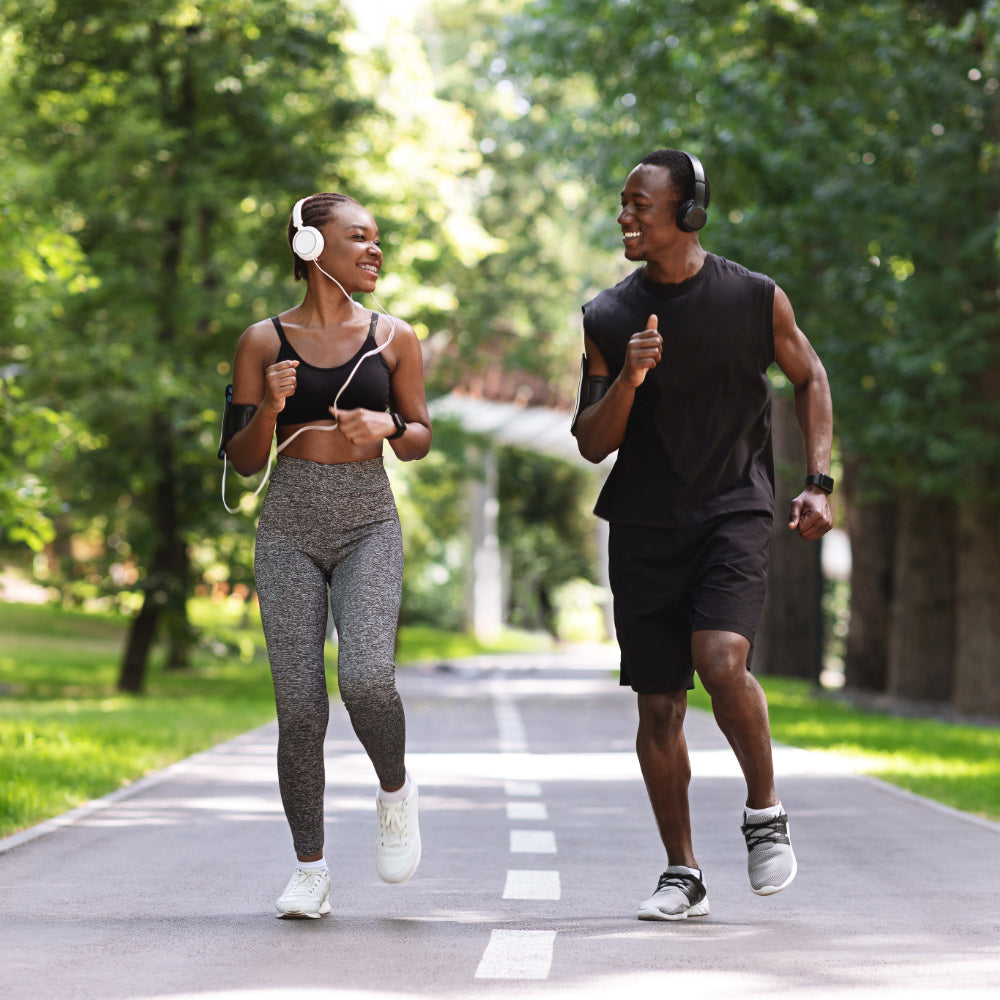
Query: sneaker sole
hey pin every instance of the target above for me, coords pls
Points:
(653, 913)
(770, 890)
(303, 914)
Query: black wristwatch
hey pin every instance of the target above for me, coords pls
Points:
(825, 483)
(401, 427)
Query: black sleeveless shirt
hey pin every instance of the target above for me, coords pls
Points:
(698, 439)
(316, 388)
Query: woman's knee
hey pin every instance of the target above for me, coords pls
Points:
(305, 717)
(369, 684)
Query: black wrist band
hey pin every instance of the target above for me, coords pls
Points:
(400, 426)
(825, 483)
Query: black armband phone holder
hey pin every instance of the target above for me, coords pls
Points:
(400, 426)
(234, 418)
(591, 390)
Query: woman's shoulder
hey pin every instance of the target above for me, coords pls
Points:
(259, 335)
(398, 330)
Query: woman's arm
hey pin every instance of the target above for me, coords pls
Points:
(257, 382)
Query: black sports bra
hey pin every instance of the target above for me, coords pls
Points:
(316, 388)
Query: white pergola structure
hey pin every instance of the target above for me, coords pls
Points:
(540, 429)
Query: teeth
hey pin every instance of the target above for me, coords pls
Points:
(630, 236)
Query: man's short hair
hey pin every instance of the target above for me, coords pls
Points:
(681, 171)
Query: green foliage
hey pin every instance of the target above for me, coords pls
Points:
(432, 499)
(165, 144)
(546, 530)
(165, 141)
(41, 443)
(853, 150)
(519, 309)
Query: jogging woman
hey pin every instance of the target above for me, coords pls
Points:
(334, 381)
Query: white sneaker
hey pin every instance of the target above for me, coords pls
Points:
(397, 848)
(306, 895)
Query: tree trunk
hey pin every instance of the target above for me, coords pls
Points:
(132, 677)
(872, 529)
(922, 615)
(180, 632)
(790, 636)
(165, 590)
(977, 599)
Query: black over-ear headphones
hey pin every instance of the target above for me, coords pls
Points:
(307, 242)
(692, 214)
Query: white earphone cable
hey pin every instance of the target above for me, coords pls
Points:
(336, 399)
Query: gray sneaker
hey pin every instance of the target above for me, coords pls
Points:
(679, 895)
(771, 861)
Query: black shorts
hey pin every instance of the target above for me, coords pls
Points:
(670, 582)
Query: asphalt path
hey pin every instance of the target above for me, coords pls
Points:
(538, 845)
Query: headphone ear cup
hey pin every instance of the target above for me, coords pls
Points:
(307, 243)
(691, 216)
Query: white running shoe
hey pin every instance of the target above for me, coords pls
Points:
(397, 849)
(307, 895)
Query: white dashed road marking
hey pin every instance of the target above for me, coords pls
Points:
(532, 885)
(517, 955)
(513, 954)
(527, 810)
(532, 842)
(522, 789)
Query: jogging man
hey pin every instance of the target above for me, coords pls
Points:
(675, 380)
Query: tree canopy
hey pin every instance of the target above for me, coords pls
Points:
(853, 150)
(152, 153)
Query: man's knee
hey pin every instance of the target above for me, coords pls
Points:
(661, 716)
(720, 659)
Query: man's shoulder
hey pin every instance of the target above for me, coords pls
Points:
(738, 271)
(613, 297)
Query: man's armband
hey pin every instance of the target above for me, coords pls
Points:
(591, 389)
(234, 418)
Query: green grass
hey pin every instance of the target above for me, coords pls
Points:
(67, 736)
(956, 764)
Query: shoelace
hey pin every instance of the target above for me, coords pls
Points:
(773, 831)
(392, 824)
(677, 880)
(303, 883)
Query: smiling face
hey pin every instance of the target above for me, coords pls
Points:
(351, 251)
(649, 213)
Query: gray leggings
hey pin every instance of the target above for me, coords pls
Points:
(330, 530)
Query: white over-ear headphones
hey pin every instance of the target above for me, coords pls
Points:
(307, 242)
